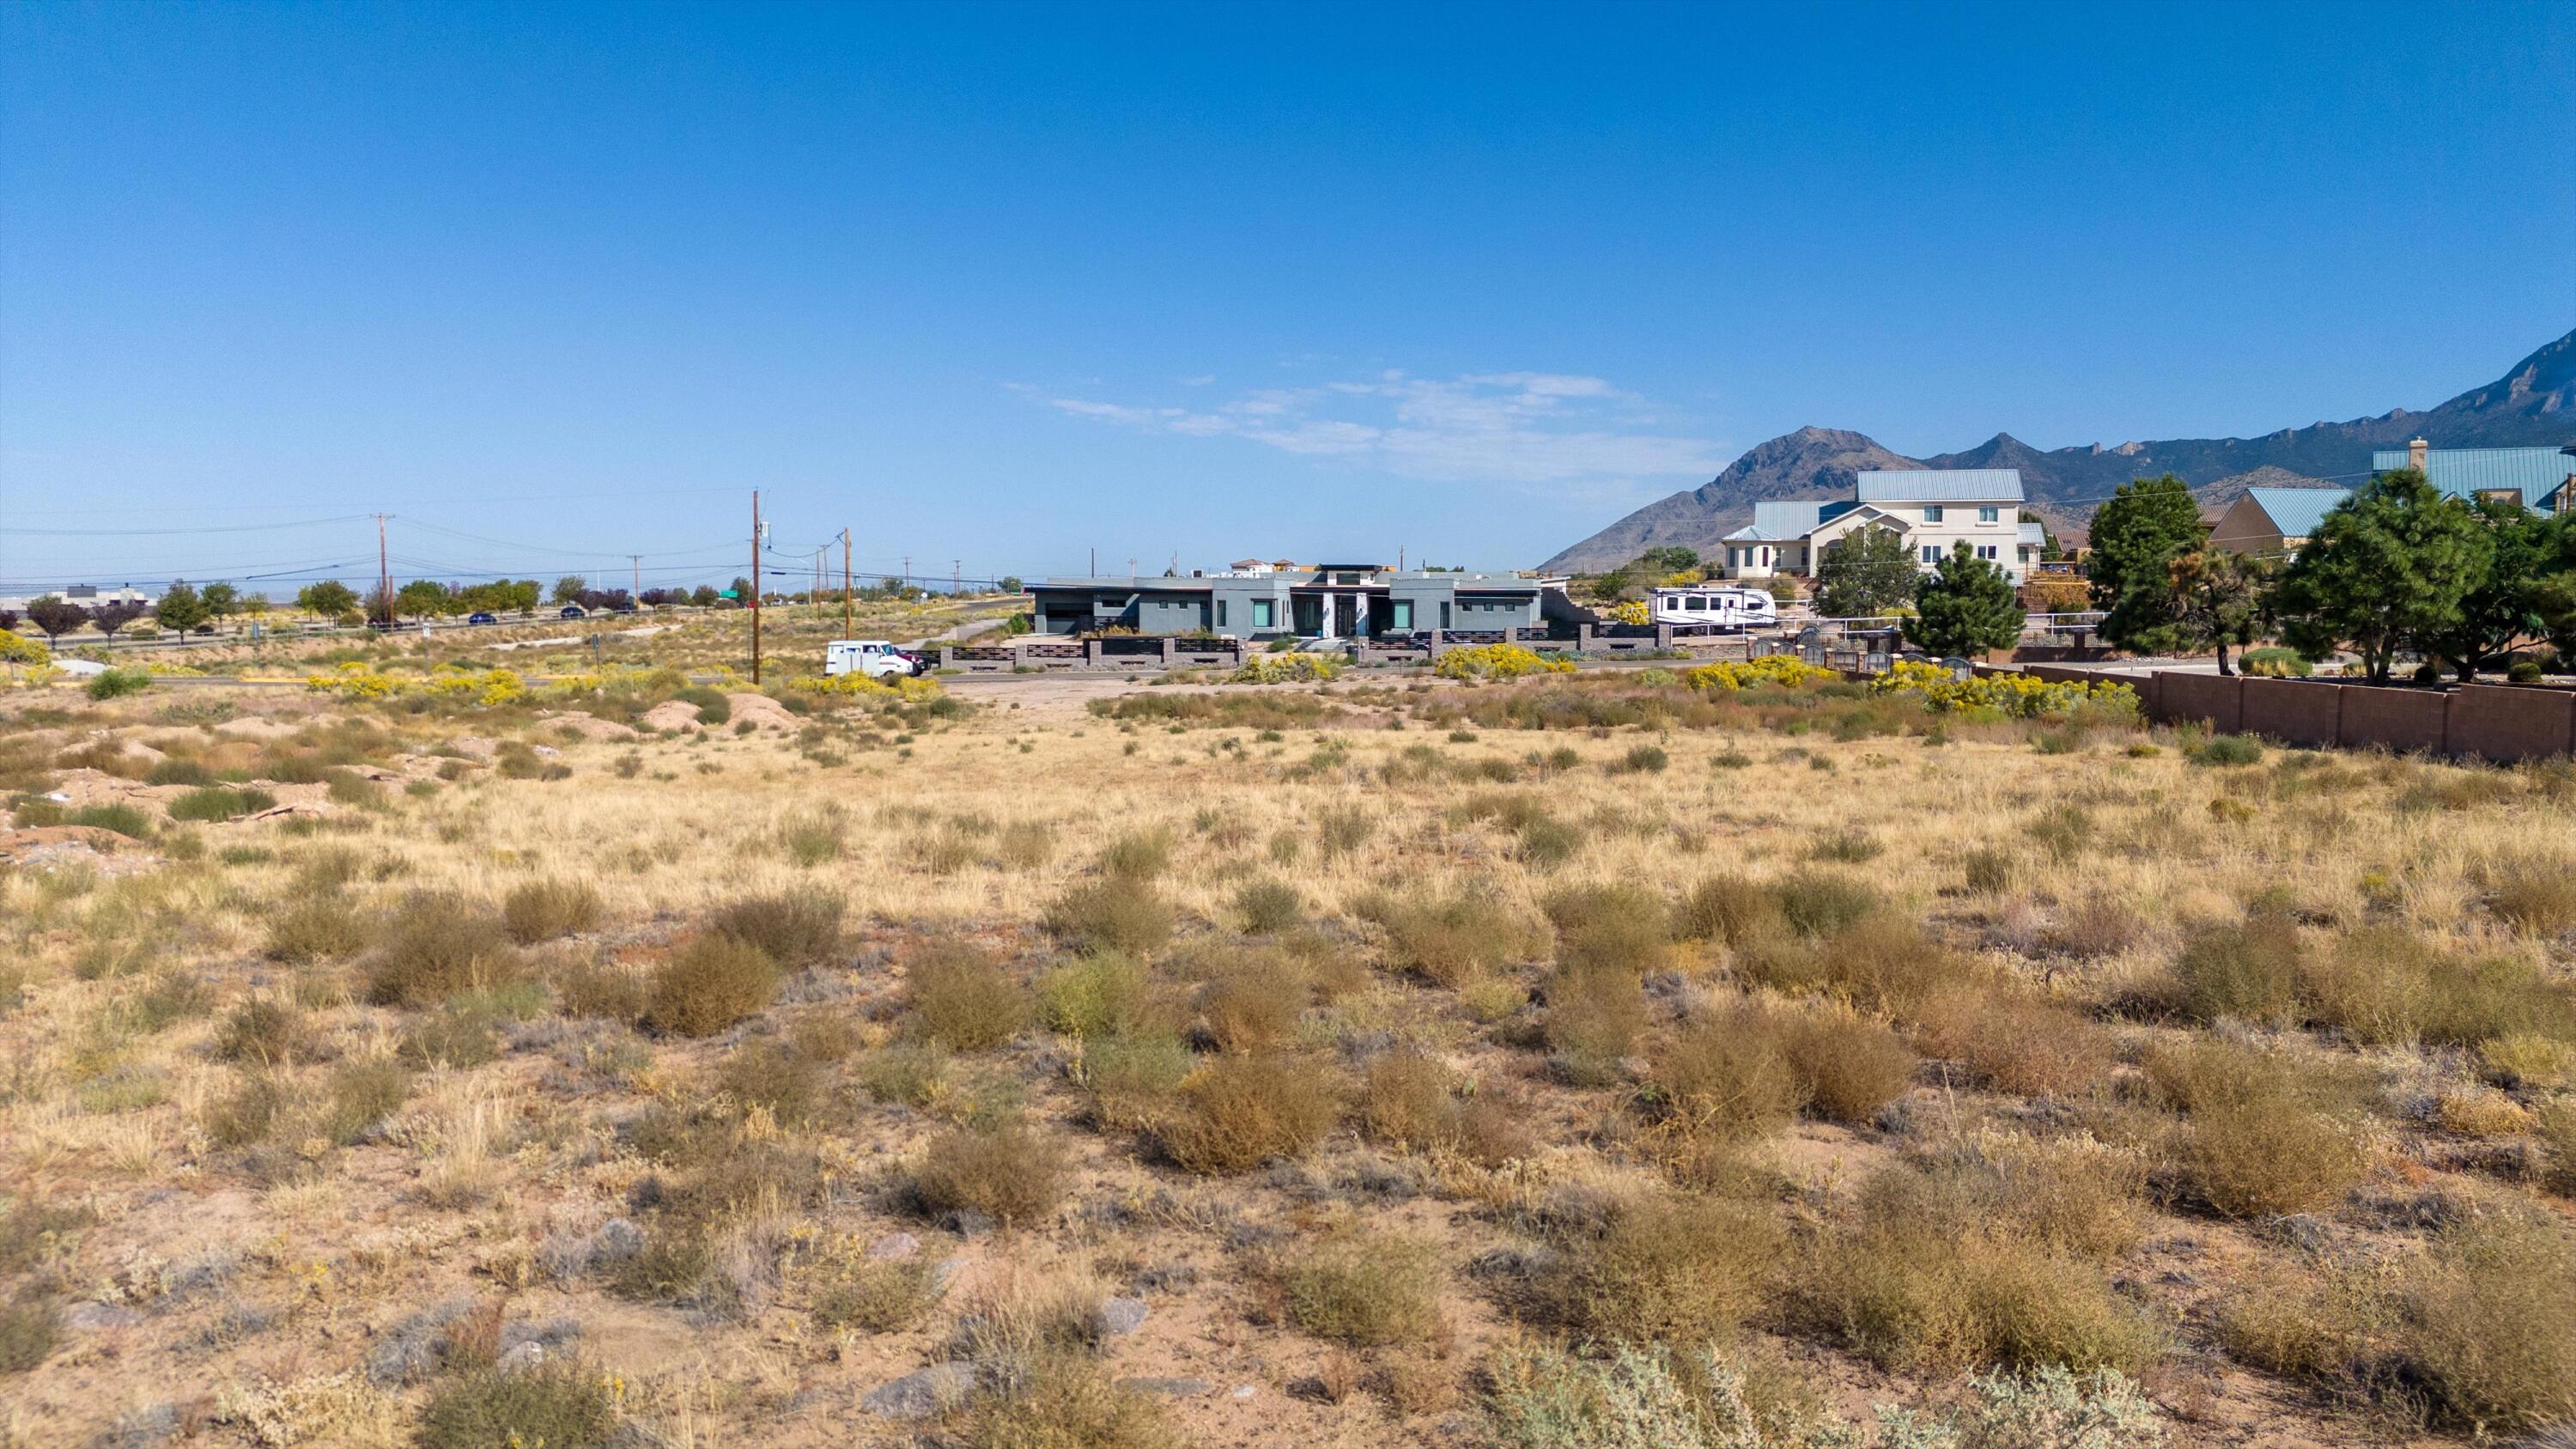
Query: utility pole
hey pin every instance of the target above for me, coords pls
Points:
(1399, 558)
(845, 584)
(755, 586)
(384, 572)
(636, 562)
(1095, 560)
(906, 575)
(955, 567)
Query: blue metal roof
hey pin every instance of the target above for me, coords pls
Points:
(1942, 485)
(1773, 522)
(2462, 472)
(2296, 512)
(2034, 533)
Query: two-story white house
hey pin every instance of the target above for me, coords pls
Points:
(1933, 509)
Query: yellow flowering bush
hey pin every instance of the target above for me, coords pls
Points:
(2018, 696)
(359, 681)
(857, 686)
(1499, 661)
(1783, 669)
(1629, 611)
(17, 648)
(355, 680)
(1287, 669)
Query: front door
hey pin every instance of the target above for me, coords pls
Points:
(1346, 615)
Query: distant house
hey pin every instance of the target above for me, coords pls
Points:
(2281, 520)
(1266, 601)
(88, 596)
(1934, 509)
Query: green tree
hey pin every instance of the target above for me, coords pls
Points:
(1671, 559)
(2136, 537)
(256, 604)
(2221, 598)
(1966, 606)
(329, 599)
(2553, 591)
(2512, 602)
(181, 608)
(1008, 583)
(1866, 572)
(742, 590)
(2388, 568)
(424, 599)
(704, 596)
(108, 618)
(569, 587)
(222, 601)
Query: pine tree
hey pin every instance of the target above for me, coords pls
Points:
(2390, 567)
(1966, 606)
(2136, 537)
(1866, 572)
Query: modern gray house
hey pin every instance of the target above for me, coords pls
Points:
(1326, 601)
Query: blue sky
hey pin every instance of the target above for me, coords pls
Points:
(558, 284)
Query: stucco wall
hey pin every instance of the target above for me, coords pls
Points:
(2219, 702)
(2502, 723)
(2293, 710)
(2403, 720)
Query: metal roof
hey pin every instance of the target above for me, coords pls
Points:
(2296, 512)
(2033, 532)
(2536, 472)
(1941, 485)
(1774, 522)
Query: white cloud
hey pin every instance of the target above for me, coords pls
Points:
(1533, 430)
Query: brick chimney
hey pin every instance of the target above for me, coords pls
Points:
(2415, 453)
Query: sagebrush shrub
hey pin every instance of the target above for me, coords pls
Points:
(1664, 1269)
(1847, 1065)
(1610, 928)
(1368, 1290)
(437, 945)
(874, 1297)
(316, 928)
(1730, 909)
(1096, 996)
(1243, 1111)
(1456, 940)
(794, 929)
(2016, 1043)
(1725, 1077)
(2487, 1323)
(1270, 906)
(1113, 913)
(963, 998)
(540, 910)
(2249, 971)
(708, 984)
(1011, 1172)
(1252, 1004)
(1138, 857)
(790, 1085)
(560, 1403)
(1817, 903)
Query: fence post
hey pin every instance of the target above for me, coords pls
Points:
(1582, 638)
(1091, 653)
(1663, 636)
(947, 656)
(1171, 647)
(1434, 637)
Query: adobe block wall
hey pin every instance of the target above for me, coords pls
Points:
(2181, 697)
(2293, 711)
(2501, 723)
(2403, 720)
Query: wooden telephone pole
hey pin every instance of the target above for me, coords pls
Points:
(755, 586)
(384, 573)
(845, 583)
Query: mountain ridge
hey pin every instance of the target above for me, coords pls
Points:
(2532, 405)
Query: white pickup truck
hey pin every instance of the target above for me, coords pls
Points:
(874, 658)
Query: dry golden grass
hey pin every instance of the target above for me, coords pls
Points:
(1545, 1022)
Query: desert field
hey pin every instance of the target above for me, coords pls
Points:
(1573, 1060)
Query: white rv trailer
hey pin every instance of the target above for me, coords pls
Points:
(1720, 605)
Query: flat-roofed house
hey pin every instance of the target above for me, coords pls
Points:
(1321, 601)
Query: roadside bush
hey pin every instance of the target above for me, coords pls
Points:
(1817, 903)
(1454, 941)
(123, 819)
(1110, 914)
(873, 1297)
(713, 708)
(119, 682)
(794, 930)
(1368, 1290)
(962, 998)
(2487, 1323)
(1947, 1268)
(437, 945)
(2249, 971)
(1847, 1066)
(559, 1403)
(1011, 1173)
(214, 804)
(2023, 1045)
(540, 910)
(1725, 1077)
(2226, 750)
(1664, 1269)
(1096, 996)
(2259, 1141)
(1270, 906)
(1242, 1111)
(708, 984)
(1252, 1004)
(30, 1325)
(315, 928)
(1730, 909)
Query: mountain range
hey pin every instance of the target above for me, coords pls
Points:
(2532, 405)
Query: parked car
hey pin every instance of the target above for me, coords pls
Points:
(572, 611)
(481, 619)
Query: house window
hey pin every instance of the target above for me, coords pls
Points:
(1444, 613)
(1931, 513)
(1220, 613)
(1989, 515)
(1766, 558)
(1261, 613)
(1931, 553)
(1400, 614)
(1986, 551)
